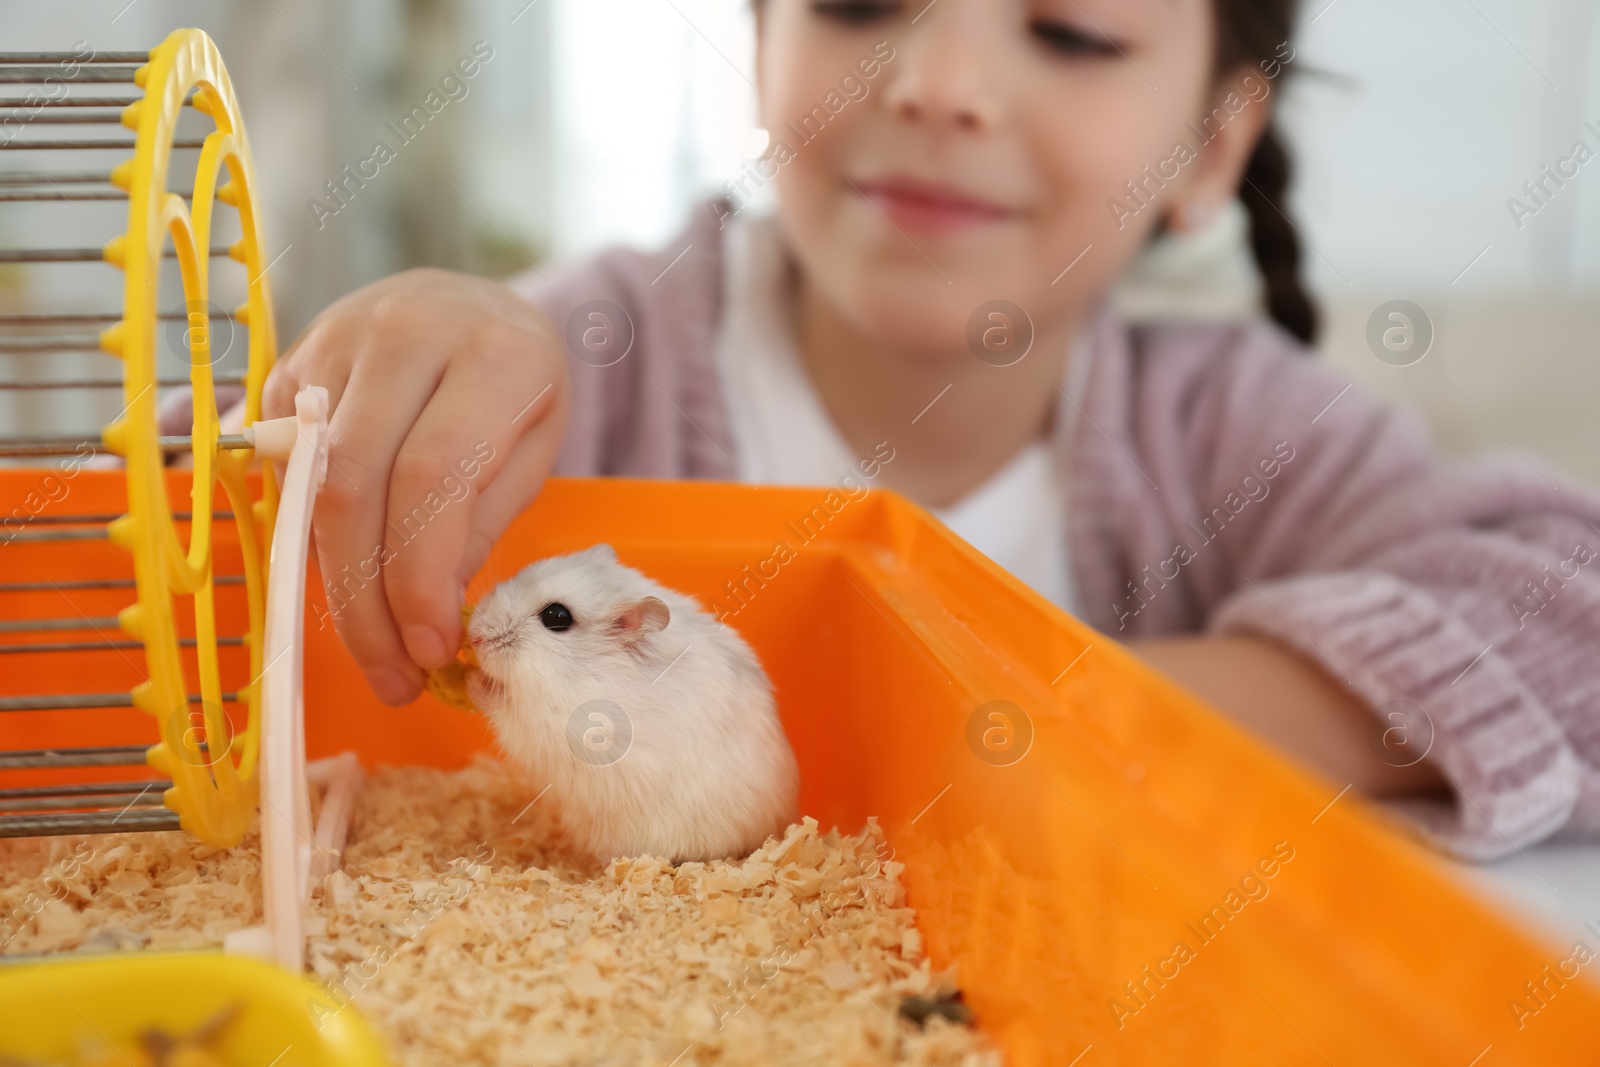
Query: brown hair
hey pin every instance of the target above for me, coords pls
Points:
(1249, 33)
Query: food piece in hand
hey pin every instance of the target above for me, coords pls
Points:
(448, 684)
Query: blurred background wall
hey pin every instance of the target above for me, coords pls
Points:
(607, 120)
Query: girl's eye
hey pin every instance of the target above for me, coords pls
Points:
(1071, 41)
(556, 617)
(853, 12)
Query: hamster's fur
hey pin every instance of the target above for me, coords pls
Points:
(708, 773)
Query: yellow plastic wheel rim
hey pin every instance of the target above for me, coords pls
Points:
(212, 769)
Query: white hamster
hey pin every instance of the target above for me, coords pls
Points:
(652, 722)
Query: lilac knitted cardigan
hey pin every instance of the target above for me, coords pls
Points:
(1219, 479)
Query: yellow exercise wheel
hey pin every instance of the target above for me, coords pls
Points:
(212, 766)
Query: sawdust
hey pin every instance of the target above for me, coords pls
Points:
(461, 929)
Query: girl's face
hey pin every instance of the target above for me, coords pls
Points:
(932, 157)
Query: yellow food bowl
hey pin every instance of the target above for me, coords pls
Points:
(221, 1010)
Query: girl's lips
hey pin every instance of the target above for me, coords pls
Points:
(930, 207)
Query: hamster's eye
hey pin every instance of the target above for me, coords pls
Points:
(556, 617)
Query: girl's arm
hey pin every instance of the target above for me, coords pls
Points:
(1274, 502)
(1297, 706)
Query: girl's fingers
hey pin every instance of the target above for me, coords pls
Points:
(277, 396)
(458, 447)
(320, 357)
(434, 382)
(364, 435)
(323, 354)
(519, 479)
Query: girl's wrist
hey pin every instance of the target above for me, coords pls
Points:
(1291, 703)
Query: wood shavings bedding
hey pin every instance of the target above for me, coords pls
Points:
(463, 932)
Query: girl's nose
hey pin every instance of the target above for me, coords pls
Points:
(946, 72)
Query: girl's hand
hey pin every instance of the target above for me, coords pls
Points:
(1293, 704)
(449, 400)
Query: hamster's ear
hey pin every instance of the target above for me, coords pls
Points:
(641, 617)
(602, 552)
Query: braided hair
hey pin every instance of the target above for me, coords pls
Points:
(1251, 32)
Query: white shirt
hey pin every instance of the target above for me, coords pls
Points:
(783, 435)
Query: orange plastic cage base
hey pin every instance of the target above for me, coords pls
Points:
(1061, 885)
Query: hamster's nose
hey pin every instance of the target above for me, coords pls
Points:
(488, 642)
